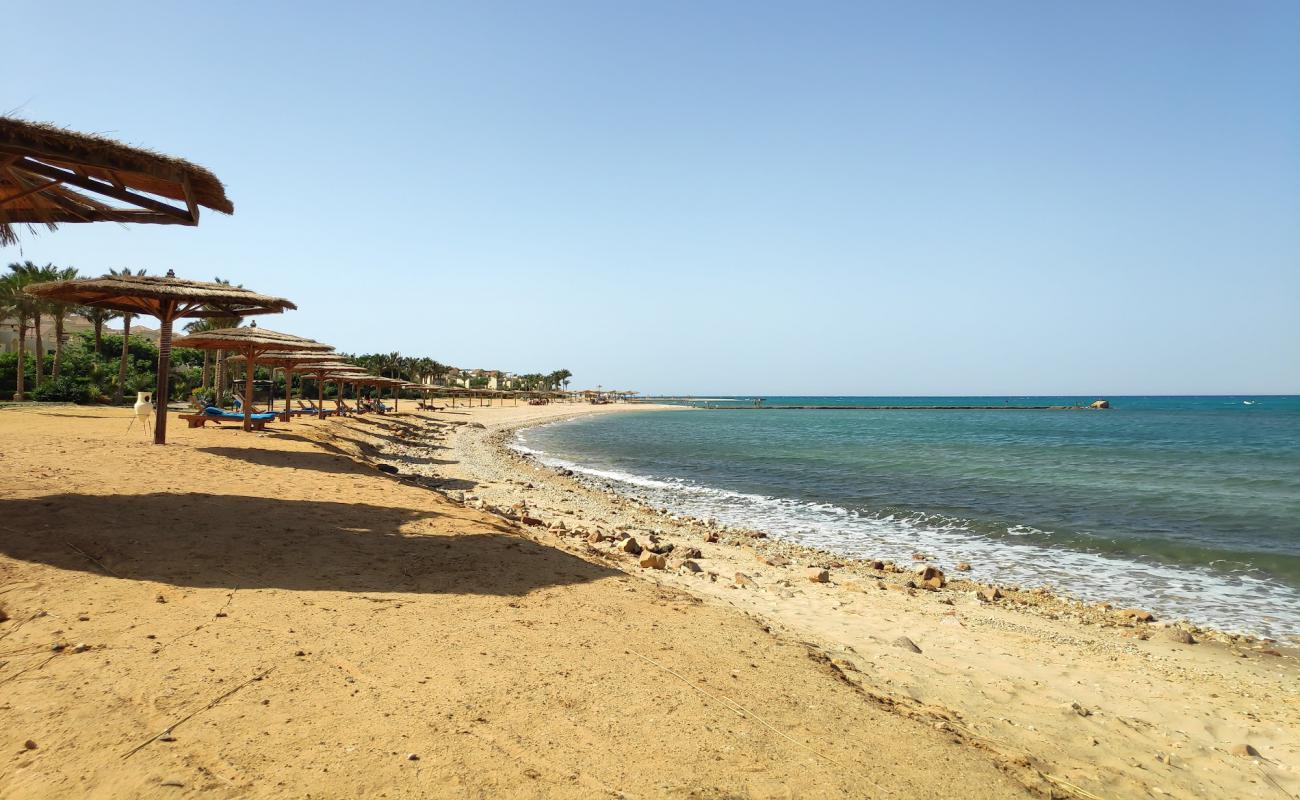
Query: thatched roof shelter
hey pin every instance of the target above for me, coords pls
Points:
(290, 362)
(50, 175)
(168, 298)
(251, 342)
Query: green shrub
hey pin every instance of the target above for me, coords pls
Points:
(64, 390)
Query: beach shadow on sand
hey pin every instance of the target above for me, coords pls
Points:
(235, 541)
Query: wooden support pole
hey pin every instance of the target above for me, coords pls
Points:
(164, 370)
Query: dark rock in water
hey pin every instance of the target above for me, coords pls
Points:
(1100, 404)
(906, 644)
(388, 468)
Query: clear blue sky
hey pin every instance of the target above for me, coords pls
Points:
(776, 198)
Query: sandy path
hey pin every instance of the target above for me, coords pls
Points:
(386, 623)
(1162, 716)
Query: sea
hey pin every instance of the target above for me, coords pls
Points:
(1185, 506)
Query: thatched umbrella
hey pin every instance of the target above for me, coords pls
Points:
(50, 176)
(168, 298)
(321, 373)
(290, 362)
(251, 342)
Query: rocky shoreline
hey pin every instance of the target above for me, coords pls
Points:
(1112, 698)
(607, 519)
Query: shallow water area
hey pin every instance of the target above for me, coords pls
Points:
(1185, 506)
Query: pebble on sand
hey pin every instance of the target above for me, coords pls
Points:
(653, 561)
(818, 575)
(906, 644)
(1244, 750)
(630, 546)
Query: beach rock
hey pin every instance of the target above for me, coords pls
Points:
(29, 744)
(1075, 708)
(741, 579)
(1180, 636)
(388, 469)
(878, 565)
(963, 567)
(412, 756)
(1243, 750)
(689, 552)
(931, 578)
(596, 537)
(530, 521)
(1138, 615)
(906, 644)
(817, 575)
(630, 545)
(711, 537)
(772, 561)
(653, 561)
(1099, 404)
(990, 595)
(691, 566)
(663, 548)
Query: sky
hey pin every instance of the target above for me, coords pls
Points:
(860, 198)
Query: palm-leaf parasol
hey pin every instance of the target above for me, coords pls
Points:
(50, 175)
(251, 342)
(168, 298)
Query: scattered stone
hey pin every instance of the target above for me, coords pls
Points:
(653, 561)
(742, 579)
(160, 599)
(1138, 615)
(1180, 636)
(300, 653)
(173, 782)
(82, 618)
(530, 521)
(932, 578)
(817, 575)
(29, 744)
(662, 548)
(81, 648)
(963, 567)
(630, 546)
(222, 614)
(711, 537)
(906, 644)
(1244, 750)
(596, 537)
(57, 647)
(412, 757)
(689, 552)
(877, 565)
(167, 737)
(691, 566)
(990, 595)
(1075, 708)
(772, 561)
(388, 469)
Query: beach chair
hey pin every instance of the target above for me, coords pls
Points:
(219, 416)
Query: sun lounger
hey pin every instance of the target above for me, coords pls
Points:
(220, 416)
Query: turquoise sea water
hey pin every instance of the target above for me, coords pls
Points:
(1189, 506)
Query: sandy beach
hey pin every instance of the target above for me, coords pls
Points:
(271, 615)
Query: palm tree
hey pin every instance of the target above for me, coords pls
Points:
(219, 382)
(60, 312)
(126, 339)
(23, 306)
(203, 325)
(96, 316)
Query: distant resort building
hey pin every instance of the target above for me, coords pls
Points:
(72, 325)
